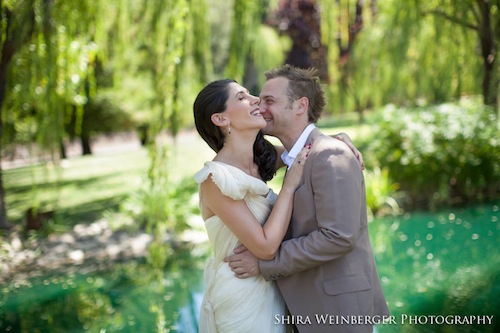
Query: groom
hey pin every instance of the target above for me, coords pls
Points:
(325, 267)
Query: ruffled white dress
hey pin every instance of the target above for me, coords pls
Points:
(231, 304)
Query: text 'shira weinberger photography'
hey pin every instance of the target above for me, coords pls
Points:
(403, 319)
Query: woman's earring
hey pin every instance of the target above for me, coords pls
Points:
(229, 129)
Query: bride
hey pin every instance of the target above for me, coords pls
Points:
(239, 208)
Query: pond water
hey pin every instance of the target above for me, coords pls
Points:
(432, 266)
(435, 265)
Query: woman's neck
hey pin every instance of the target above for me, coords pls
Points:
(238, 153)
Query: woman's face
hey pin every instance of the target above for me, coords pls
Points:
(242, 109)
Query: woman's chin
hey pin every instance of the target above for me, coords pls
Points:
(263, 123)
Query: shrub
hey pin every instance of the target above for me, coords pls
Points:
(443, 154)
(381, 193)
(166, 203)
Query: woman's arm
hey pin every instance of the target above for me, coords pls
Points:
(347, 140)
(262, 241)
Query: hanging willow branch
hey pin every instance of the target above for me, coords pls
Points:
(453, 19)
(246, 19)
(14, 36)
(486, 14)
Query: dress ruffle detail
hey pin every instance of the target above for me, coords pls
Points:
(232, 182)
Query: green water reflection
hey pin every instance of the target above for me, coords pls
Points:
(440, 264)
(444, 263)
(129, 298)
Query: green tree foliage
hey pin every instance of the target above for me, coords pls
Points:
(254, 47)
(47, 63)
(77, 64)
(245, 21)
(482, 18)
(341, 22)
(52, 74)
(411, 51)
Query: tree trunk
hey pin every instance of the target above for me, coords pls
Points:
(85, 141)
(4, 223)
(304, 29)
(62, 150)
(488, 52)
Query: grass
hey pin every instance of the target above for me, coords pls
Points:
(81, 189)
(78, 190)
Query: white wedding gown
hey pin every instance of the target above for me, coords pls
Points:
(231, 304)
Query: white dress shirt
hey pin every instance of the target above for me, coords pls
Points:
(289, 157)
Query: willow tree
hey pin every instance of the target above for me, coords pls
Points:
(161, 40)
(53, 54)
(17, 22)
(481, 18)
(341, 22)
(413, 51)
(58, 45)
(164, 45)
(246, 18)
(254, 47)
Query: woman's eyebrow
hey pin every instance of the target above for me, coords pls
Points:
(241, 92)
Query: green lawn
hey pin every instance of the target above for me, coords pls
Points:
(80, 189)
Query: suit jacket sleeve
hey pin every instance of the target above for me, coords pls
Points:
(334, 178)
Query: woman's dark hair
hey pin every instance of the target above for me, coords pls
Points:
(212, 99)
(264, 155)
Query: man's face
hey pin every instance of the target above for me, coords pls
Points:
(274, 106)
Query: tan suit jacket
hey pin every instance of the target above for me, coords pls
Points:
(326, 268)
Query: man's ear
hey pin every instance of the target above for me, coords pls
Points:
(302, 105)
(219, 119)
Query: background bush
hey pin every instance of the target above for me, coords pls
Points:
(439, 155)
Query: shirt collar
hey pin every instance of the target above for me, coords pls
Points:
(289, 157)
